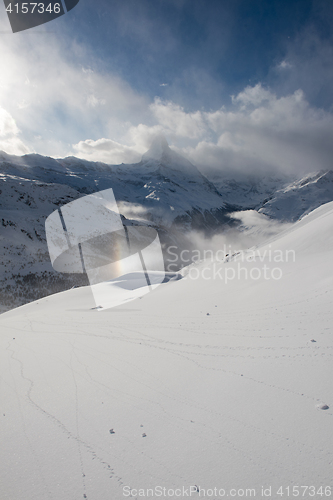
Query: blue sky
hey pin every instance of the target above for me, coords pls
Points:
(232, 84)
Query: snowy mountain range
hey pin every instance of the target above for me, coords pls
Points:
(163, 190)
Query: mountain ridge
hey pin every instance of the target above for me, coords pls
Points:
(164, 190)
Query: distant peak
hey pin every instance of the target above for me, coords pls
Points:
(160, 154)
(159, 147)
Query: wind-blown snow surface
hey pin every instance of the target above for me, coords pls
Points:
(198, 383)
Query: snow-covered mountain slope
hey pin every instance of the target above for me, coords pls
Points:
(174, 189)
(167, 186)
(300, 197)
(164, 188)
(207, 382)
(281, 197)
(247, 191)
(25, 268)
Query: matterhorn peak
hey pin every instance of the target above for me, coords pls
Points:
(160, 154)
(159, 148)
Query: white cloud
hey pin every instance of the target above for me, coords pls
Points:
(260, 131)
(252, 96)
(107, 151)
(9, 132)
(277, 133)
(284, 65)
(7, 124)
(132, 210)
(49, 91)
(94, 101)
(253, 229)
(141, 136)
(174, 119)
